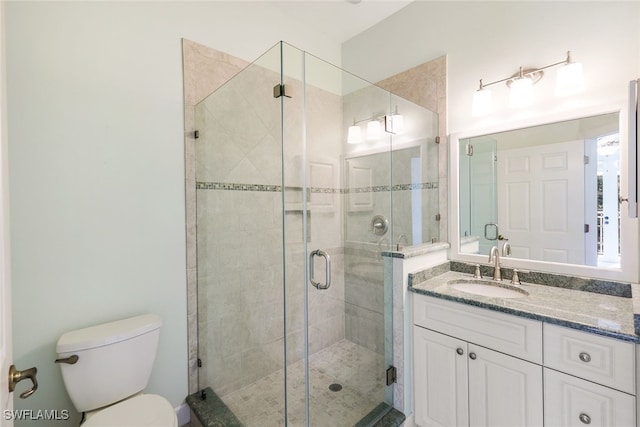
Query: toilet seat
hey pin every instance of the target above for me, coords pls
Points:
(139, 411)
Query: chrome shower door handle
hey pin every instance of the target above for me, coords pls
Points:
(327, 258)
(495, 234)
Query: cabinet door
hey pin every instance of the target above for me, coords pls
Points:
(441, 381)
(503, 391)
(574, 402)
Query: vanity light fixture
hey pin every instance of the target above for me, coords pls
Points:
(568, 81)
(521, 93)
(374, 129)
(354, 134)
(393, 123)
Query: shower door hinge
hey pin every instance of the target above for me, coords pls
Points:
(199, 363)
(281, 90)
(586, 160)
(468, 150)
(392, 375)
(438, 217)
(437, 140)
(196, 134)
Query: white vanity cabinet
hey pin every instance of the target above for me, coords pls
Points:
(588, 379)
(479, 367)
(459, 378)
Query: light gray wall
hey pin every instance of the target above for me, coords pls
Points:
(95, 123)
(490, 40)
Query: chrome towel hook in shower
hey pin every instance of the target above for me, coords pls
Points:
(327, 258)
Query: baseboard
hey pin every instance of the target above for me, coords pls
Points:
(183, 413)
(409, 422)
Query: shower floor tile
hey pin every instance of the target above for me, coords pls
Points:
(358, 370)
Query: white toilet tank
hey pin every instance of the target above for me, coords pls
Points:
(114, 360)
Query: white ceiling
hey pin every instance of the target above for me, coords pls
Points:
(339, 19)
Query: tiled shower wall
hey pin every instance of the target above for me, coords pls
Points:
(206, 69)
(426, 85)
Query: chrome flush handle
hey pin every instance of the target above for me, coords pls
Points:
(71, 360)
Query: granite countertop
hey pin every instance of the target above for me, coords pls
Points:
(417, 250)
(599, 313)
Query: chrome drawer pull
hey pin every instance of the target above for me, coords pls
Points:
(585, 357)
(584, 418)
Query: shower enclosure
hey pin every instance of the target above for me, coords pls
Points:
(294, 215)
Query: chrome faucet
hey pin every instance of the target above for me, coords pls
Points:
(494, 256)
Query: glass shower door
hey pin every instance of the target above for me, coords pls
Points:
(294, 214)
(240, 268)
(336, 303)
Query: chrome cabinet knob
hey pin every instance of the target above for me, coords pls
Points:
(585, 357)
(460, 351)
(472, 356)
(584, 418)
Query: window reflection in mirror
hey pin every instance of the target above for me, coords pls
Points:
(552, 191)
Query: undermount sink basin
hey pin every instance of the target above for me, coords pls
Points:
(487, 288)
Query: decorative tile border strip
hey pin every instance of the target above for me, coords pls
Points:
(418, 186)
(324, 190)
(376, 189)
(236, 187)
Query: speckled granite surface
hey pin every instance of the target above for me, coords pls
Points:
(412, 251)
(211, 411)
(577, 303)
(382, 416)
(550, 279)
(393, 418)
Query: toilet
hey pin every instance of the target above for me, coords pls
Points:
(106, 367)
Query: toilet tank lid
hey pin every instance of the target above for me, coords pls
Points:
(107, 333)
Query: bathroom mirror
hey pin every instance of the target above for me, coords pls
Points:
(551, 190)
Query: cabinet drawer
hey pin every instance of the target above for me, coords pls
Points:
(573, 402)
(596, 358)
(509, 334)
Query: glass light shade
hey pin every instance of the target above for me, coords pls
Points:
(397, 123)
(521, 94)
(482, 103)
(354, 135)
(569, 79)
(373, 129)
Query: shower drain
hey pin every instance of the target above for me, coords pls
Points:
(335, 387)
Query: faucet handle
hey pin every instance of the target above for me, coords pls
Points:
(506, 249)
(515, 280)
(477, 274)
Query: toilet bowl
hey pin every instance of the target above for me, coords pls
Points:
(143, 410)
(106, 367)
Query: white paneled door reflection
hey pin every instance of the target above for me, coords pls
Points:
(541, 203)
